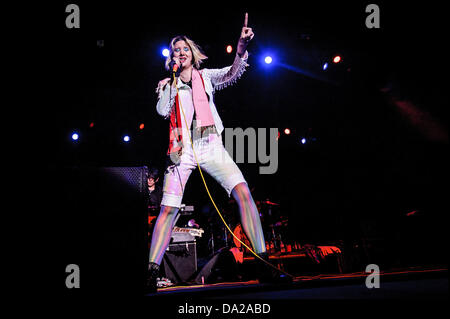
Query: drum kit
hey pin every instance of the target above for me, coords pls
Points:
(273, 222)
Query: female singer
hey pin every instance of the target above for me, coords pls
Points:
(193, 103)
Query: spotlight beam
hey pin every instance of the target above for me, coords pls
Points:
(304, 72)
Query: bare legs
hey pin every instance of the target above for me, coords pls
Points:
(162, 233)
(251, 223)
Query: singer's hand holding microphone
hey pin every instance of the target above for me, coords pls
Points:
(175, 67)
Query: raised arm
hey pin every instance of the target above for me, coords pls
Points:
(246, 36)
(221, 78)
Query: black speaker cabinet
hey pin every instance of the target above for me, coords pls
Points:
(99, 222)
(180, 262)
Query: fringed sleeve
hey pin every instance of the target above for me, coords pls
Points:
(221, 78)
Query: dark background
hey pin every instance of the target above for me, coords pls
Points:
(372, 160)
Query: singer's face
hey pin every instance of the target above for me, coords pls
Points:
(182, 53)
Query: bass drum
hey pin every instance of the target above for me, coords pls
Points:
(239, 233)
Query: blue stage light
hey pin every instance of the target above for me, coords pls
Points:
(75, 136)
(165, 52)
(325, 66)
(268, 59)
(303, 140)
(126, 138)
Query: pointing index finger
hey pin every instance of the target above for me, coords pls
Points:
(246, 20)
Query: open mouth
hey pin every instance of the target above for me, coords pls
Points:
(182, 60)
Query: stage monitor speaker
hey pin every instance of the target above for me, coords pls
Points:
(99, 223)
(180, 262)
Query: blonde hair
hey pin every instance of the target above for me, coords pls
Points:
(197, 55)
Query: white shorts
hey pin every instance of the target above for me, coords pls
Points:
(213, 159)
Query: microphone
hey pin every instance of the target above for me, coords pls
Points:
(174, 66)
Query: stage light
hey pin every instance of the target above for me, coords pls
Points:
(337, 59)
(192, 223)
(126, 138)
(75, 136)
(268, 59)
(141, 126)
(165, 52)
(229, 49)
(91, 125)
(287, 131)
(303, 140)
(325, 66)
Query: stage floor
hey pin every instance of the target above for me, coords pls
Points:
(411, 283)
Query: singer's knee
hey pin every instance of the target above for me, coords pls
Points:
(241, 193)
(168, 211)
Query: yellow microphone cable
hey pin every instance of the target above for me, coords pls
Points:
(209, 194)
